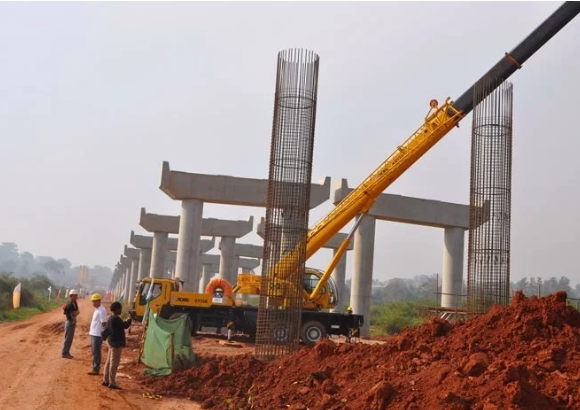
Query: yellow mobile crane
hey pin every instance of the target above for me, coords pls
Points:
(208, 310)
(439, 121)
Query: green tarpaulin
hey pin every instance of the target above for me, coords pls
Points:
(167, 345)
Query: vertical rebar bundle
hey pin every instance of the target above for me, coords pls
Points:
(488, 271)
(288, 204)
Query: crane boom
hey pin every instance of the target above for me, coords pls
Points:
(362, 197)
(438, 122)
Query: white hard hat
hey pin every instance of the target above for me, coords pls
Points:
(73, 292)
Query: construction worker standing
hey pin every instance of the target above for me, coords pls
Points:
(71, 311)
(115, 337)
(98, 324)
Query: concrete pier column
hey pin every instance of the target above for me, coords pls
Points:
(208, 270)
(132, 255)
(338, 277)
(452, 277)
(133, 280)
(126, 283)
(144, 264)
(362, 276)
(158, 254)
(228, 266)
(188, 255)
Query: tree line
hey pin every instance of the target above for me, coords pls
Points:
(59, 271)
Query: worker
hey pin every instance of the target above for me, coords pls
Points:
(348, 310)
(71, 311)
(98, 324)
(114, 334)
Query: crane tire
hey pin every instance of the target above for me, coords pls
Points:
(280, 333)
(311, 332)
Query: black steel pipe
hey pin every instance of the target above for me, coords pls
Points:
(523, 51)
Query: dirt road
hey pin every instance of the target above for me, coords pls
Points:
(34, 376)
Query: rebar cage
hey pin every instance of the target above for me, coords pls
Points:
(288, 203)
(488, 271)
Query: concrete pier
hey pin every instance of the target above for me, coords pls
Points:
(144, 244)
(362, 275)
(126, 270)
(230, 254)
(397, 208)
(195, 189)
(208, 270)
(171, 257)
(452, 275)
(188, 253)
(133, 255)
(209, 227)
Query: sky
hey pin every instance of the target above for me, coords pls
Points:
(94, 96)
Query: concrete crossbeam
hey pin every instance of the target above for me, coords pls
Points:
(209, 226)
(248, 264)
(141, 241)
(146, 242)
(452, 217)
(228, 190)
(159, 223)
(417, 211)
(248, 250)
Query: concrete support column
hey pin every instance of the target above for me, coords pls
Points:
(228, 266)
(338, 276)
(132, 280)
(126, 284)
(158, 254)
(144, 264)
(207, 273)
(188, 256)
(362, 276)
(245, 269)
(452, 277)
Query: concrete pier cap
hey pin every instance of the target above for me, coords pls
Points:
(404, 209)
(228, 190)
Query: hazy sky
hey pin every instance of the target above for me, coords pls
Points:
(94, 96)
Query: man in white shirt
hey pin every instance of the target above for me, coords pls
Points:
(98, 324)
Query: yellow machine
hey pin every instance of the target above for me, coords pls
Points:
(166, 291)
(438, 122)
(318, 289)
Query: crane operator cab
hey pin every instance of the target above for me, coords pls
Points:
(328, 297)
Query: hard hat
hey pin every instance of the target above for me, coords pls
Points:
(95, 296)
(349, 309)
(73, 292)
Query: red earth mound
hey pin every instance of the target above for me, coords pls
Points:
(525, 356)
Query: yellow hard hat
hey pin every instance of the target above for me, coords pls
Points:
(349, 309)
(95, 296)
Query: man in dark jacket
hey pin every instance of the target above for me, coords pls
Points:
(115, 333)
(71, 311)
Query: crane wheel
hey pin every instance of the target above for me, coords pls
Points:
(280, 333)
(311, 332)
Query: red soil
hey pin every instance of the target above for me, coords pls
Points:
(525, 356)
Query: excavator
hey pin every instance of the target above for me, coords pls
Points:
(217, 309)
